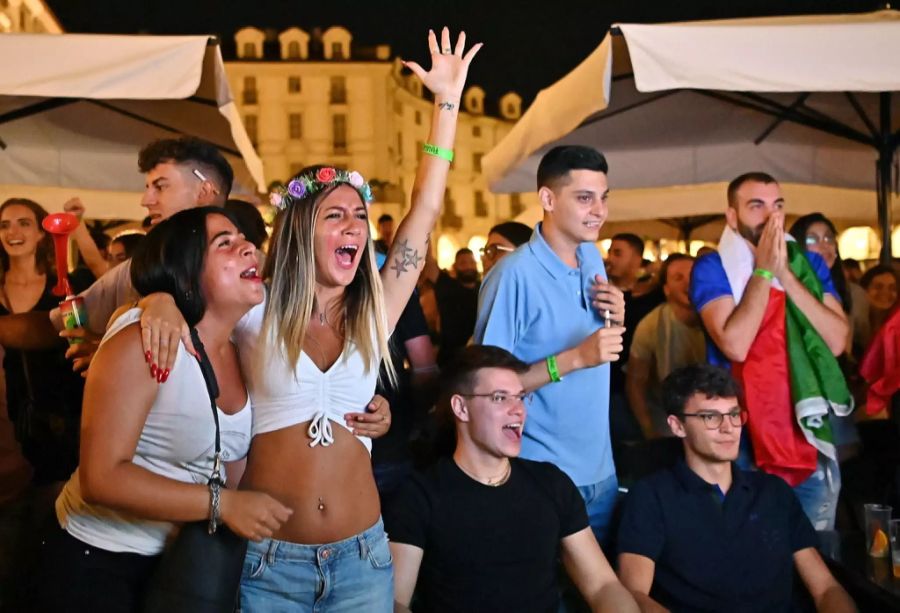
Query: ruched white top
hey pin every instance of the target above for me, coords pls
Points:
(283, 396)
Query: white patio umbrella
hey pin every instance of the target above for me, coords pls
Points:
(807, 99)
(75, 110)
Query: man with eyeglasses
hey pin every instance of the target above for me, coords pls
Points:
(704, 535)
(483, 530)
(773, 316)
(502, 240)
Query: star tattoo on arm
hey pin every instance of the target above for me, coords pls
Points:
(406, 257)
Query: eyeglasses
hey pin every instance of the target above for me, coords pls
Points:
(812, 239)
(492, 251)
(503, 398)
(713, 420)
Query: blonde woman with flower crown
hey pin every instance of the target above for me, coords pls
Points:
(313, 350)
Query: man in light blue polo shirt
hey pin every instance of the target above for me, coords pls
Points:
(549, 304)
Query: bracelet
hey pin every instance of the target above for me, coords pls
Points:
(765, 274)
(214, 517)
(553, 369)
(440, 152)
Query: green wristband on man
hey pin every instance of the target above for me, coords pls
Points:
(765, 274)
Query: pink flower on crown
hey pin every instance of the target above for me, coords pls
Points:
(355, 179)
(275, 199)
(325, 175)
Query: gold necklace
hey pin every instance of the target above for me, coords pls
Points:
(490, 480)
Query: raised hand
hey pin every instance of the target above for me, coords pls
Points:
(75, 207)
(449, 67)
(771, 252)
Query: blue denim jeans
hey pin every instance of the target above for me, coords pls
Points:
(600, 500)
(818, 494)
(355, 574)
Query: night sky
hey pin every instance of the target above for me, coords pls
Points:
(528, 44)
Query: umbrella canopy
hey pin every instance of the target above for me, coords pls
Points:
(76, 109)
(698, 103)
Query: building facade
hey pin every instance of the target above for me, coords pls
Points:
(33, 16)
(314, 97)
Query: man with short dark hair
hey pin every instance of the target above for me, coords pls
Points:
(669, 337)
(624, 260)
(707, 536)
(503, 239)
(457, 301)
(385, 226)
(483, 530)
(772, 314)
(549, 304)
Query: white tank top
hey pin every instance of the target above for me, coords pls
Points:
(283, 396)
(177, 442)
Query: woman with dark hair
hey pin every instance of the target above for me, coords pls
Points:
(816, 233)
(147, 450)
(313, 352)
(43, 395)
(880, 284)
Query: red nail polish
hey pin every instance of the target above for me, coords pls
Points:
(165, 376)
(153, 370)
(147, 356)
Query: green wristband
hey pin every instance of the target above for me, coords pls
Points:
(765, 274)
(440, 152)
(553, 369)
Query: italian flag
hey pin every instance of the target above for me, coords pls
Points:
(791, 381)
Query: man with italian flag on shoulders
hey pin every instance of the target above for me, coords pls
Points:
(772, 314)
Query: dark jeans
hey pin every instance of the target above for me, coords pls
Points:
(76, 577)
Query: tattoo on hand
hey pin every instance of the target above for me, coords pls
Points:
(447, 106)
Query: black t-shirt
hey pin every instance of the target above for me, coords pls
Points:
(713, 555)
(487, 548)
(636, 309)
(458, 307)
(43, 397)
(394, 446)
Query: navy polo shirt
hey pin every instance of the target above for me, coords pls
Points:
(711, 554)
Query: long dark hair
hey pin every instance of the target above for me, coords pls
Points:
(798, 231)
(43, 257)
(170, 259)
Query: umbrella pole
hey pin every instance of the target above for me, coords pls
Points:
(886, 148)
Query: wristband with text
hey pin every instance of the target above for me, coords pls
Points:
(553, 369)
(765, 274)
(444, 154)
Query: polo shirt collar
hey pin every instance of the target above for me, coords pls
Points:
(691, 481)
(551, 262)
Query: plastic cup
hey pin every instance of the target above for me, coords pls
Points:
(877, 523)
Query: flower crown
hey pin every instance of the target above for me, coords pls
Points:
(310, 183)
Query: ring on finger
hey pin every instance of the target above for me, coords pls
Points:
(448, 50)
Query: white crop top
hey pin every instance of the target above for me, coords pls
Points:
(283, 396)
(177, 441)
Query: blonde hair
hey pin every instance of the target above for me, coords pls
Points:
(291, 273)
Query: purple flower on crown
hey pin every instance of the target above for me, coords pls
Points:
(355, 179)
(297, 189)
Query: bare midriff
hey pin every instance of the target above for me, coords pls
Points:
(330, 489)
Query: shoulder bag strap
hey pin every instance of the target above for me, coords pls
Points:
(212, 387)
